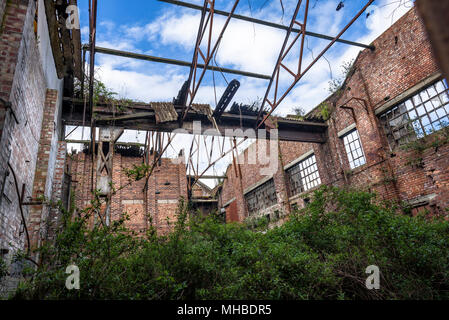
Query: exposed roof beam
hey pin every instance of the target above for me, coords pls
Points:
(269, 24)
(143, 117)
(145, 57)
(208, 177)
(119, 143)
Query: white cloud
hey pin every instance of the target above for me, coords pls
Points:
(139, 86)
(245, 46)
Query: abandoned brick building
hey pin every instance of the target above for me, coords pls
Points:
(166, 185)
(391, 97)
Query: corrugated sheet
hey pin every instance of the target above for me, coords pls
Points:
(165, 111)
(202, 109)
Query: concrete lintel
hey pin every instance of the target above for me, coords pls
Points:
(421, 200)
(167, 201)
(346, 130)
(302, 157)
(257, 184)
(132, 201)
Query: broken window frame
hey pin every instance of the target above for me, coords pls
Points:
(420, 115)
(354, 149)
(303, 176)
(262, 197)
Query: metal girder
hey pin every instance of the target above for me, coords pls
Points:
(269, 24)
(92, 40)
(199, 146)
(142, 117)
(145, 57)
(205, 27)
(209, 177)
(273, 99)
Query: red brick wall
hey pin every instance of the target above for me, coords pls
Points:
(232, 213)
(397, 66)
(402, 59)
(22, 83)
(166, 186)
(245, 175)
(44, 172)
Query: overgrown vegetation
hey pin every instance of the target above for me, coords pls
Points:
(435, 140)
(324, 111)
(101, 94)
(320, 253)
(336, 84)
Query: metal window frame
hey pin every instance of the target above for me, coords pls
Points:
(413, 132)
(305, 171)
(262, 201)
(352, 151)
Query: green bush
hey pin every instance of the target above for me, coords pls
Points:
(320, 253)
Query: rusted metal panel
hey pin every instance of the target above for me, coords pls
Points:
(164, 112)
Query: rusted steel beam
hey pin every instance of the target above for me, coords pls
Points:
(144, 118)
(92, 40)
(268, 24)
(275, 100)
(211, 177)
(118, 143)
(133, 55)
(193, 81)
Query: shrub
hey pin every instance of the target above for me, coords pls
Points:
(320, 253)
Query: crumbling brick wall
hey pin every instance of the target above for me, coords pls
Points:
(48, 178)
(23, 87)
(159, 205)
(401, 64)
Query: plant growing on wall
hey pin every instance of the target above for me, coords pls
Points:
(324, 111)
(418, 146)
(335, 85)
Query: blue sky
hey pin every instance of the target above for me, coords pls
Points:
(161, 29)
(165, 30)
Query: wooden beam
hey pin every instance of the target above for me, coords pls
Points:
(76, 42)
(128, 144)
(52, 23)
(208, 177)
